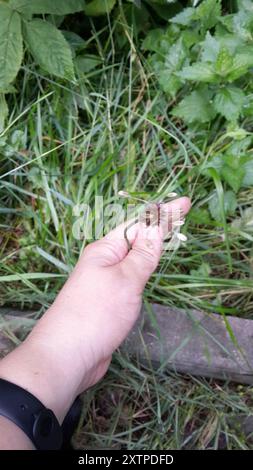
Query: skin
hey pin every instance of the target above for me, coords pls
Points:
(70, 348)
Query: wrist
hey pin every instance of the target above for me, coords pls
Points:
(33, 367)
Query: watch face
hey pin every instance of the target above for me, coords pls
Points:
(47, 433)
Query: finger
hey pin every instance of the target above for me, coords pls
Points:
(144, 256)
(113, 247)
(181, 205)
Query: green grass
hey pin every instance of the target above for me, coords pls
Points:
(141, 409)
(63, 146)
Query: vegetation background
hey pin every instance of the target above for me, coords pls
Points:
(144, 96)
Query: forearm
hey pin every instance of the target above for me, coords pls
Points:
(52, 366)
(47, 365)
(12, 437)
(34, 367)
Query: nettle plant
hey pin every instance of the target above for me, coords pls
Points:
(203, 62)
(35, 26)
(208, 57)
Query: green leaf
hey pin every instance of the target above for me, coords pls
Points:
(224, 62)
(230, 205)
(209, 12)
(185, 17)
(232, 177)
(240, 24)
(11, 45)
(169, 82)
(243, 22)
(54, 7)
(200, 216)
(153, 39)
(76, 42)
(204, 270)
(199, 72)
(241, 64)
(166, 72)
(49, 48)
(229, 102)
(245, 4)
(99, 7)
(196, 107)
(248, 176)
(210, 49)
(87, 63)
(175, 56)
(4, 111)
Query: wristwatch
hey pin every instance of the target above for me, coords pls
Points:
(28, 413)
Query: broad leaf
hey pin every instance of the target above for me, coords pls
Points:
(210, 48)
(229, 102)
(208, 12)
(54, 7)
(185, 17)
(199, 72)
(76, 42)
(49, 48)
(232, 177)
(230, 204)
(153, 39)
(241, 64)
(11, 45)
(196, 107)
(169, 82)
(224, 62)
(248, 177)
(99, 7)
(166, 72)
(85, 64)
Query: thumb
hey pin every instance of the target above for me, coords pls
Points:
(145, 254)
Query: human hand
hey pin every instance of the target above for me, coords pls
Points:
(93, 313)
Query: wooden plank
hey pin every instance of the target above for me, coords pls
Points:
(190, 342)
(195, 343)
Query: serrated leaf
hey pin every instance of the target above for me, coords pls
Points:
(49, 48)
(245, 4)
(230, 204)
(210, 48)
(11, 45)
(185, 17)
(87, 63)
(240, 24)
(169, 82)
(75, 41)
(53, 7)
(243, 22)
(99, 7)
(229, 102)
(209, 12)
(175, 56)
(199, 72)
(223, 62)
(248, 176)
(153, 39)
(241, 64)
(196, 107)
(166, 72)
(232, 177)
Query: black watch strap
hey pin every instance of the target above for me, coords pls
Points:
(28, 413)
